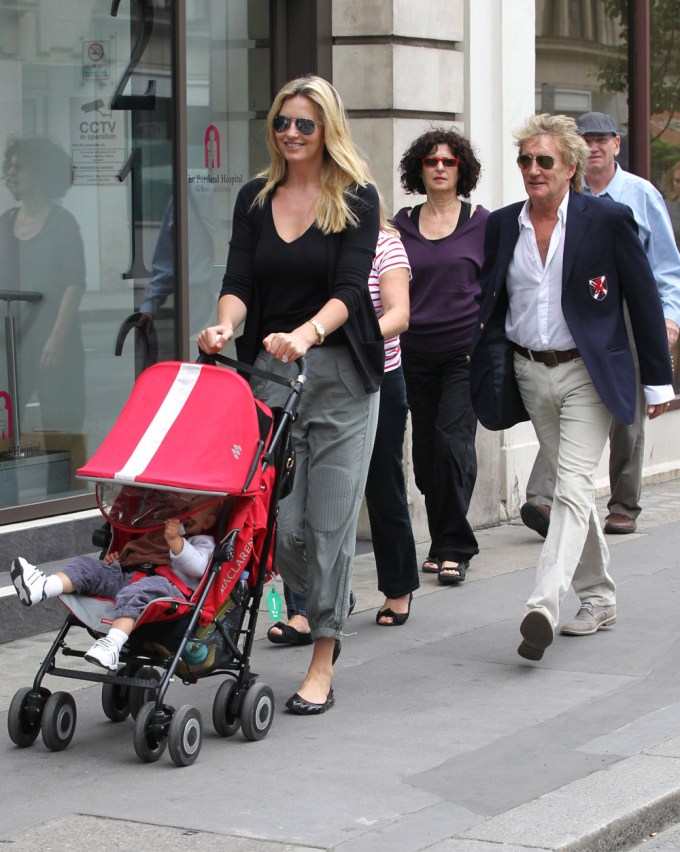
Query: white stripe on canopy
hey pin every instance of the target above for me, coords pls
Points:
(161, 424)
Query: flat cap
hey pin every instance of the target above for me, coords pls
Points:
(596, 122)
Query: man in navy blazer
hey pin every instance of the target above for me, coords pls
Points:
(552, 346)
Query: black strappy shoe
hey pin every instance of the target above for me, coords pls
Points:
(398, 618)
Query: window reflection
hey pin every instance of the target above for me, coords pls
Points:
(94, 79)
(664, 123)
(68, 225)
(228, 95)
(573, 38)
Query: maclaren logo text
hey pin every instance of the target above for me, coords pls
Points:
(237, 566)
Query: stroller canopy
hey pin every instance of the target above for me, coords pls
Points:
(186, 427)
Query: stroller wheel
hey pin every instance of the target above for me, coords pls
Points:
(59, 721)
(150, 736)
(115, 701)
(138, 696)
(186, 735)
(257, 712)
(25, 715)
(224, 716)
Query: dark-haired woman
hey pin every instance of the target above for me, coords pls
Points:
(42, 250)
(444, 240)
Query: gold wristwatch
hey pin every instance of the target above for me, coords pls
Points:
(320, 331)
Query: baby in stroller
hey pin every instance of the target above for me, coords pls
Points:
(176, 555)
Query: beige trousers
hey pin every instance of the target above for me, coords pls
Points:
(572, 426)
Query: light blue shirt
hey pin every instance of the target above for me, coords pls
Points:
(656, 233)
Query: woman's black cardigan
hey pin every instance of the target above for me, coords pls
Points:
(361, 328)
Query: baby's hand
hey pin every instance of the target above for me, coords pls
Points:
(172, 535)
(111, 557)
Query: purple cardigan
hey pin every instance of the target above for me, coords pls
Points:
(444, 284)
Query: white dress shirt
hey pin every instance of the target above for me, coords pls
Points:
(535, 319)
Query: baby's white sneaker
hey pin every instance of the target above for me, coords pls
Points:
(28, 580)
(104, 653)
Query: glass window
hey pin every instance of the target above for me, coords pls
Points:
(88, 236)
(665, 119)
(228, 96)
(87, 129)
(576, 40)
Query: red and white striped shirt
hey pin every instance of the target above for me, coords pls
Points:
(389, 254)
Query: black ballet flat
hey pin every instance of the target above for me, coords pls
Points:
(302, 707)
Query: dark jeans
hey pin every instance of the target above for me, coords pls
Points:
(296, 602)
(444, 456)
(388, 515)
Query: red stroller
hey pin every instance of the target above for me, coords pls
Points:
(186, 430)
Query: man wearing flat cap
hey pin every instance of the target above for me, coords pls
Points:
(604, 178)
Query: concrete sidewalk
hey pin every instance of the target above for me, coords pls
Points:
(442, 737)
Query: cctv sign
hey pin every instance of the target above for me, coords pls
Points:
(97, 142)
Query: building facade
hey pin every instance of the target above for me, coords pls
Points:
(155, 110)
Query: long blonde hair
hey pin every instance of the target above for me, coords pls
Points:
(342, 166)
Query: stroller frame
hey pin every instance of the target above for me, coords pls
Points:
(136, 688)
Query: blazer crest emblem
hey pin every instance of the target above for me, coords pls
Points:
(598, 287)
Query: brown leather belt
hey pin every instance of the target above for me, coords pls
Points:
(549, 357)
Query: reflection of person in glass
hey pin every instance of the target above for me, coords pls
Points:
(211, 148)
(202, 226)
(41, 250)
(4, 418)
(670, 189)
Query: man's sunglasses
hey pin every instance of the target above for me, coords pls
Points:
(305, 125)
(447, 162)
(543, 161)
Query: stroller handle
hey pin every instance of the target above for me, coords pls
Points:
(242, 367)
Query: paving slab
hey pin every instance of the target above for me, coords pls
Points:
(77, 832)
(602, 811)
(442, 737)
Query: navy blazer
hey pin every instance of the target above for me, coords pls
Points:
(604, 262)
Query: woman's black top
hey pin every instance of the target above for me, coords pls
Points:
(284, 284)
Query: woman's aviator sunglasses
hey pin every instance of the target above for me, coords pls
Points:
(447, 162)
(543, 161)
(305, 125)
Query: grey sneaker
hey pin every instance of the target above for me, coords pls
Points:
(104, 653)
(589, 619)
(28, 581)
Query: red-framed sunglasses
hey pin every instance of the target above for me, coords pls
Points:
(447, 162)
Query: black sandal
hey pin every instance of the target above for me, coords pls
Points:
(446, 578)
(398, 618)
(431, 565)
(289, 635)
